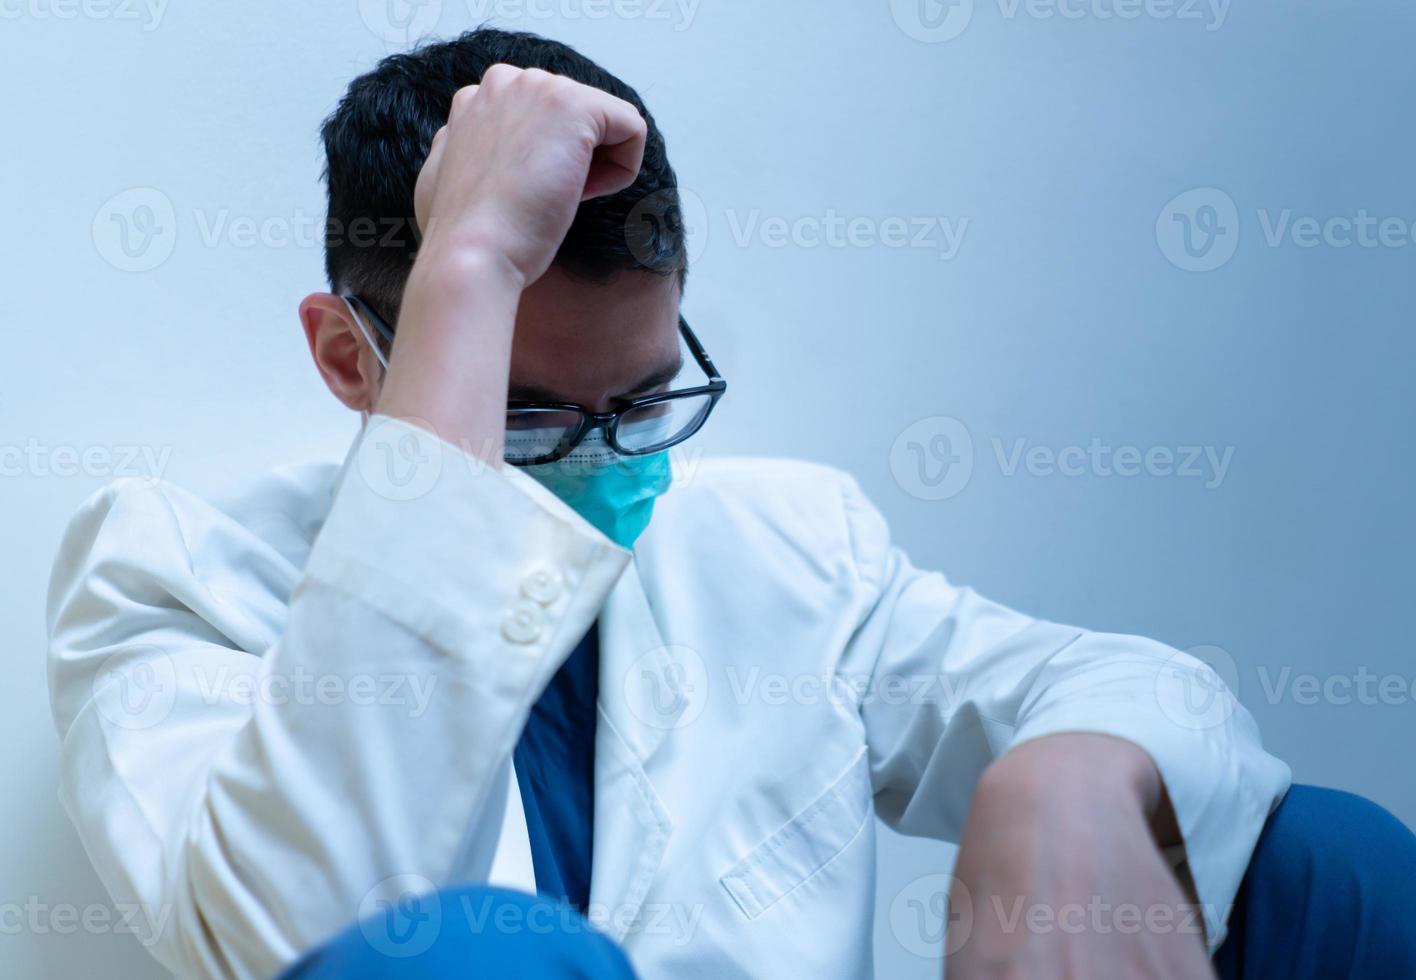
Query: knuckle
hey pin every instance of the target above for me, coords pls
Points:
(561, 92)
(463, 96)
(500, 73)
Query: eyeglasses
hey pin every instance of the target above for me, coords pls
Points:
(544, 432)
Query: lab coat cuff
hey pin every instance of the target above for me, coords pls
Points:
(480, 561)
(1221, 789)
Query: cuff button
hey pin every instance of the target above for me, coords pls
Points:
(542, 585)
(523, 623)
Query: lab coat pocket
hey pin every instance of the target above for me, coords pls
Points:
(808, 842)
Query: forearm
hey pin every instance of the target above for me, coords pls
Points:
(1082, 763)
(452, 353)
(1082, 772)
(1069, 827)
(500, 188)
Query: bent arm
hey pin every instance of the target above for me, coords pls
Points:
(249, 800)
(997, 679)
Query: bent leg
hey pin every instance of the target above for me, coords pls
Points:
(1329, 893)
(472, 931)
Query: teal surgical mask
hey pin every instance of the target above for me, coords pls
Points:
(614, 493)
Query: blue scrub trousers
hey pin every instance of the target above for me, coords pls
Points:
(1329, 893)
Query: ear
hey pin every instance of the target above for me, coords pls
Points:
(346, 363)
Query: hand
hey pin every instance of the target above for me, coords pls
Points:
(1059, 873)
(495, 199)
(518, 155)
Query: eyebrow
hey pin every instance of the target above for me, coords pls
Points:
(660, 375)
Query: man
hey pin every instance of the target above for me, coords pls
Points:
(226, 675)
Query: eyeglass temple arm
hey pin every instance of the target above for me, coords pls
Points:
(698, 352)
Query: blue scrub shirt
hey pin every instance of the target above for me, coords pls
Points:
(555, 769)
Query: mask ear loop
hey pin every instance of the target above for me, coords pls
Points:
(369, 339)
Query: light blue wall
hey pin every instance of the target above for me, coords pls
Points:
(1062, 314)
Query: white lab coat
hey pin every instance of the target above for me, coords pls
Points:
(281, 709)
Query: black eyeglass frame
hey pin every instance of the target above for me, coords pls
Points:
(609, 421)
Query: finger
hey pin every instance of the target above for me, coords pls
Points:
(607, 176)
(428, 180)
(620, 153)
(461, 99)
(435, 155)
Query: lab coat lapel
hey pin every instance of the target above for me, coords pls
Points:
(641, 701)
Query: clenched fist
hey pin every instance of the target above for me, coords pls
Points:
(519, 153)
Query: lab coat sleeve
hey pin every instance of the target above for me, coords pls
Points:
(951, 681)
(252, 806)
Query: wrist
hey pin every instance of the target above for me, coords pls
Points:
(454, 274)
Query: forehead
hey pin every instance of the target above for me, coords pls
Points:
(588, 342)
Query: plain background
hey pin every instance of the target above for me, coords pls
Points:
(1067, 315)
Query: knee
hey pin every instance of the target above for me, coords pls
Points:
(436, 934)
(1342, 863)
(1343, 843)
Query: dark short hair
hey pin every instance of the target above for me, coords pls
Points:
(378, 137)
